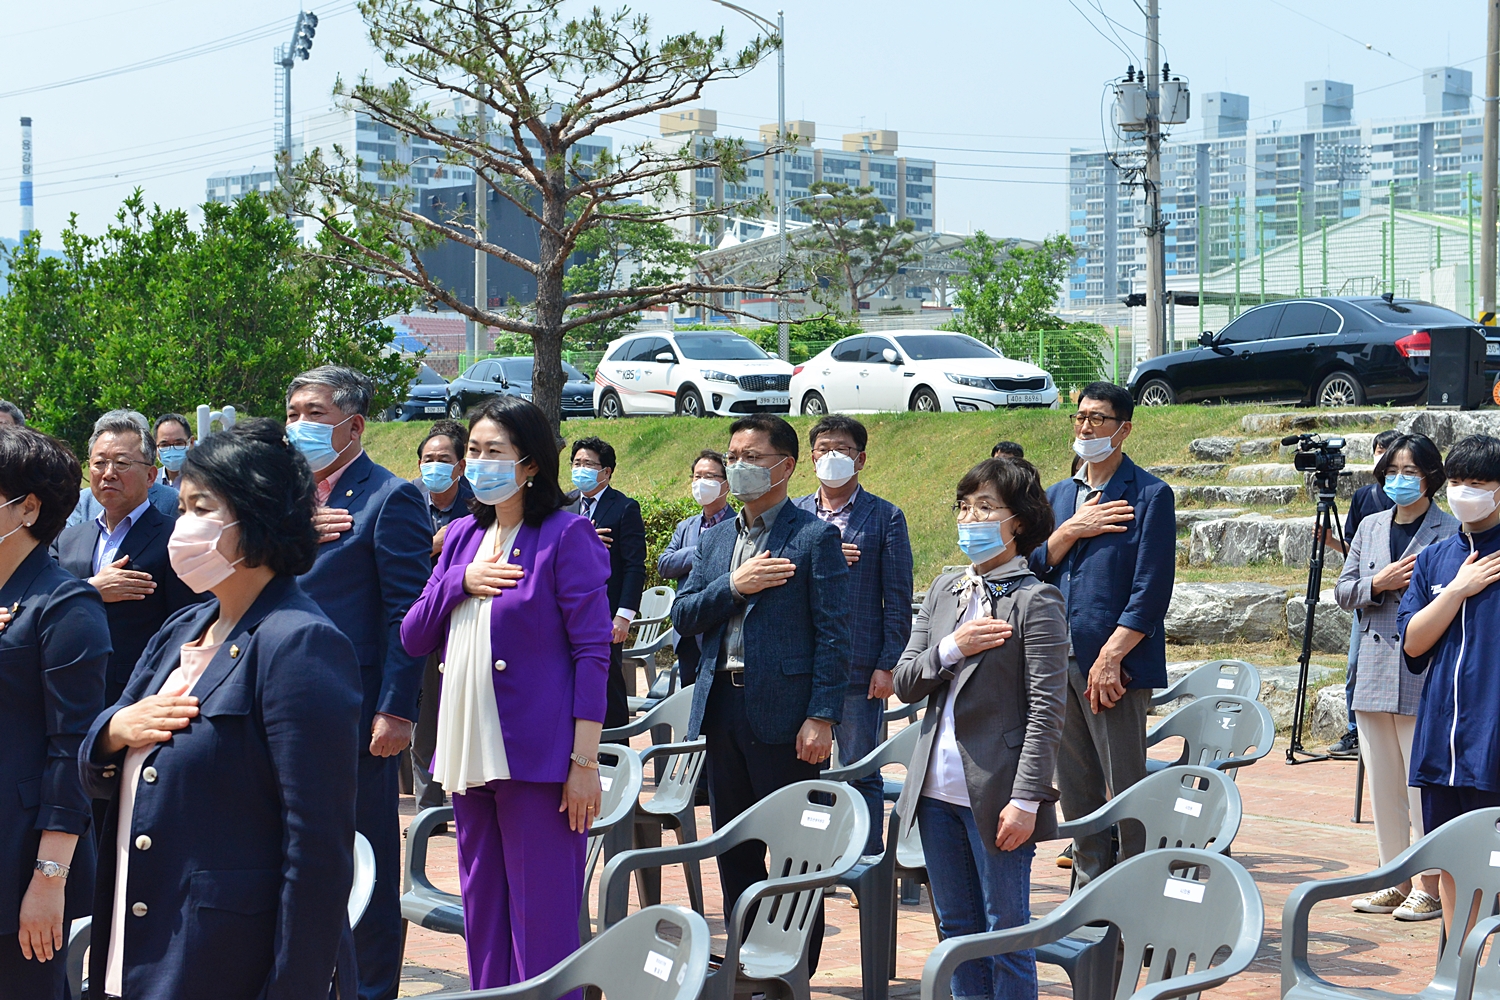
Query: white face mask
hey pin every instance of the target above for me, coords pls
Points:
(18, 527)
(193, 551)
(1470, 504)
(1093, 450)
(706, 491)
(834, 469)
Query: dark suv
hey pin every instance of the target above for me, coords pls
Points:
(1322, 352)
(512, 377)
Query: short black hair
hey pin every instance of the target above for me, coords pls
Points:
(1475, 457)
(1118, 398)
(1383, 440)
(1020, 488)
(35, 463)
(712, 456)
(1424, 455)
(782, 434)
(269, 488)
(837, 423)
(532, 434)
(13, 411)
(598, 446)
(450, 429)
(1009, 449)
(171, 418)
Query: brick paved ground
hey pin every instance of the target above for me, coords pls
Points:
(1296, 827)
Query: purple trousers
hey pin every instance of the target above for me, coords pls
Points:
(521, 873)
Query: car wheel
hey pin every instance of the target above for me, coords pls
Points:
(455, 409)
(690, 404)
(1158, 392)
(814, 405)
(1340, 389)
(924, 400)
(609, 406)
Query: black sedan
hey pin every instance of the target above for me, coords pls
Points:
(512, 377)
(426, 398)
(1317, 351)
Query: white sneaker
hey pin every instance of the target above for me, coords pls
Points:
(1384, 901)
(1419, 906)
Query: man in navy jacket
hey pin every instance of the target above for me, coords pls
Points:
(1114, 557)
(371, 568)
(878, 551)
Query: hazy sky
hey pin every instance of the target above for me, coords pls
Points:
(993, 90)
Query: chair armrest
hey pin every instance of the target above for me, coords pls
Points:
(1171, 693)
(851, 772)
(417, 836)
(1299, 904)
(636, 652)
(937, 974)
(638, 622)
(1468, 959)
(614, 885)
(1098, 821)
(636, 726)
(673, 749)
(904, 712)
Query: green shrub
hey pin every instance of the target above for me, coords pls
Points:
(661, 517)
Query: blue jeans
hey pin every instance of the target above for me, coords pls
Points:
(857, 736)
(976, 888)
(1350, 670)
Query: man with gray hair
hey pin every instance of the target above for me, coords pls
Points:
(371, 567)
(11, 415)
(159, 494)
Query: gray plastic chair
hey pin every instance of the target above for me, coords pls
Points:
(1468, 849)
(1174, 911)
(1187, 806)
(1217, 732)
(659, 953)
(1214, 678)
(651, 633)
(425, 904)
(814, 832)
(80, 933)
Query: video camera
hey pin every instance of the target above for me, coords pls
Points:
(1324, 457)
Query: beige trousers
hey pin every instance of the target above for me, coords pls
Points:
(1385, 746)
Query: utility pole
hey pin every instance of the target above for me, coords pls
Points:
(473, 329)
(1301, 274)
(1156, 258)
(1469, 202)
(1491, 134)
(783, 341)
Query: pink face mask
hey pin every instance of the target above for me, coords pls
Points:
(194, 552)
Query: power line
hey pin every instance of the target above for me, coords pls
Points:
(1128, 54)
(1342, 34)
(73, 23)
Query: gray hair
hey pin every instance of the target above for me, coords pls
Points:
(351, 389)
(126, 422)
(13, 411)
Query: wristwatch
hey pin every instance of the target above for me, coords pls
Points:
(583, 761)
(52, 869)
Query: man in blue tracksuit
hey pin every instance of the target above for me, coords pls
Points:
(1449, 624)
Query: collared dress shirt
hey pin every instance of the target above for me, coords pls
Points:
(838, 518)
(107, 549)
(753, 537)
(586, 506)
(326, 486)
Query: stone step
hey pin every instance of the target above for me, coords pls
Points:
(1256, 538)
(1269, 472)
(1331, 623)
(1238, 496)
(1201, 470)
(1311, 420)
(1191, 516)
(1358, 447)
(1210, 613)
(1447, 426)
(1217, 449)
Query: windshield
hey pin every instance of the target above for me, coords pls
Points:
(426, 376)
(718, 347)
(938, 346)
(1410, 313)
(519, 370)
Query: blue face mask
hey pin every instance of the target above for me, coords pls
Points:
(437, 476)
(172, 456)
(585, 479)
(1403, 490)
(982, 540)
(315, 441)
(493, 479)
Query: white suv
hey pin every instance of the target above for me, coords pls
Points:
(693, 373)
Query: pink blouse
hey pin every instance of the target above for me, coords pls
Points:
(193, 660)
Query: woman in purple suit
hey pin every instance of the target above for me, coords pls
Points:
(517, 606)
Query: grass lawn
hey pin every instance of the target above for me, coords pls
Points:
(915, 461)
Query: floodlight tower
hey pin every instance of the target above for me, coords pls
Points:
(300, 47)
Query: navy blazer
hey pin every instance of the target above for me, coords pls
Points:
(1368, 499)
(796, 635)
(52, 657)
(367, 579)
(1119, 578)
(249, 811)
(880, 584)
(627, 545)
(131, 623)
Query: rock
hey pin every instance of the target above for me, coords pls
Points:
(1447, 426)
(1209, 613)
(1255, 538)
(1188, 518)
(1360, 447)
(1278, 689)
(1347, 484)
(1239, 496)
(1210, 470)
(1214, 449)
(1360, 418)
(1182, 550)
(1269, 472)
(1330, 717)
(1273, 423)
(1331, 624)
(1296, 548)
(1256, 447)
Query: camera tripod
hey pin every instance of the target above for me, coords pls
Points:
(1324, 525)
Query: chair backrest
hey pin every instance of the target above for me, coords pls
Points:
(364, 878)
(1218, 728)
(1185, 806)
(658, 953)
(620, 776)
(1215, 678)
(896, 750)
(656, 604)
(1468, 849)
(672, 711)
(676, 777)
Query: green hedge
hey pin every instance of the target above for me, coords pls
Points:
(661, 517)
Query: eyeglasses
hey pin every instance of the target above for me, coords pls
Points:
(829, 449)
(981, 511)
(1092, 419)
(583, 463)
(754, 457)
(120, 465)
(714, 476)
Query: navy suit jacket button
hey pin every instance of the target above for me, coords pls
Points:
(139, 909)
(148, 775)
(143, 843)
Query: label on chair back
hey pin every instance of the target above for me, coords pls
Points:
(658, 965)
(1181, 888)
(1226, 683)
(1495, 859)
(606, 783)
(1189, 807)
(816, 820)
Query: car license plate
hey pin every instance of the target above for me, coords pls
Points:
(776, 400)
(1025, 397)
(432, 409)
(1492, 348)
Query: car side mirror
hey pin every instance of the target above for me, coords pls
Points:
(666, 357)
(891, 357)
(1206, 338)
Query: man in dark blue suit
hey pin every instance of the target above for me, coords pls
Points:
(768, 593)
(1114, 557)
(878, 551)
(123, 552)
(371, 567)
